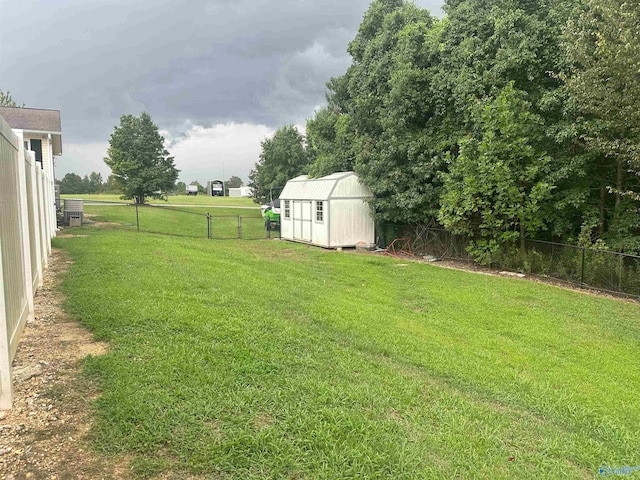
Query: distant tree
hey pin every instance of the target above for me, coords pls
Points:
(94, 182)
(7, 101)
(139, 161)
(283, 157)
(72, 183)
(233, 182)
(181, 188)
(110, 186)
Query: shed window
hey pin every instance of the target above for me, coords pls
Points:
(319, 211)
(287, 209)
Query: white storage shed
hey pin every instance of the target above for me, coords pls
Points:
(330, 211)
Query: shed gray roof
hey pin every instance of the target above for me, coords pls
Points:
(305, 188)
(35, 120)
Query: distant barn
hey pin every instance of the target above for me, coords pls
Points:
(330, 211)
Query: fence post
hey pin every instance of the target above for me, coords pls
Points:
(582, 273)
(621, 273)
(209, 226)
(137, 218)
(239, 227)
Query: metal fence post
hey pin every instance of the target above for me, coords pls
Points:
(137, 218)
(239, 227)
(621, 274)
(582, 273)
(209, 226)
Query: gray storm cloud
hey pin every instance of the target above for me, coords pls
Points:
(205, 63)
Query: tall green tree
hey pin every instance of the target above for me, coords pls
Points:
(495, 188)
(330, 142)
(408, 96)
(408, 105)
(484, 46)
(283, 157)
(390, 152)
(110, 185)
(140, 164)
(603, 45)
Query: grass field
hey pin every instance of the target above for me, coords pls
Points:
(183, 221)
(175, 200)
(245, 360)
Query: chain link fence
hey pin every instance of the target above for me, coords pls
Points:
(194, 222)
(426, 240)
(604, 270)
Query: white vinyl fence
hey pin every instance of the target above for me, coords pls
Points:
(27, 224)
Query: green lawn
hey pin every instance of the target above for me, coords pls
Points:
(174, 200)
(245, 360)
(182, 221)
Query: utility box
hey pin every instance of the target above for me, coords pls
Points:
(57, 196)
(75, 222)
(73, 208)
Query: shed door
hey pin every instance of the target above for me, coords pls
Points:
(302, 220)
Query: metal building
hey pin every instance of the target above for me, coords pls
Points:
(330, 211)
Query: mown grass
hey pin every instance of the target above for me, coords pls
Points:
(173, 200)
(274, 360)
(182, 221)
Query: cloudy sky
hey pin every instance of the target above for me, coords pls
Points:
(216, 76)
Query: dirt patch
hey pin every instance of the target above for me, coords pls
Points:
(46, 434)
(69, 235)
(262, 421)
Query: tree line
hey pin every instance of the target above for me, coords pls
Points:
(504, 120)
(93, 183)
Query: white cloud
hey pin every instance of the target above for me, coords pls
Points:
(200, 153)
(203, 153)
(82, 159)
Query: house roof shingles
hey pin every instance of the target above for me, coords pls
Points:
(32, 119)
(36, 120)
